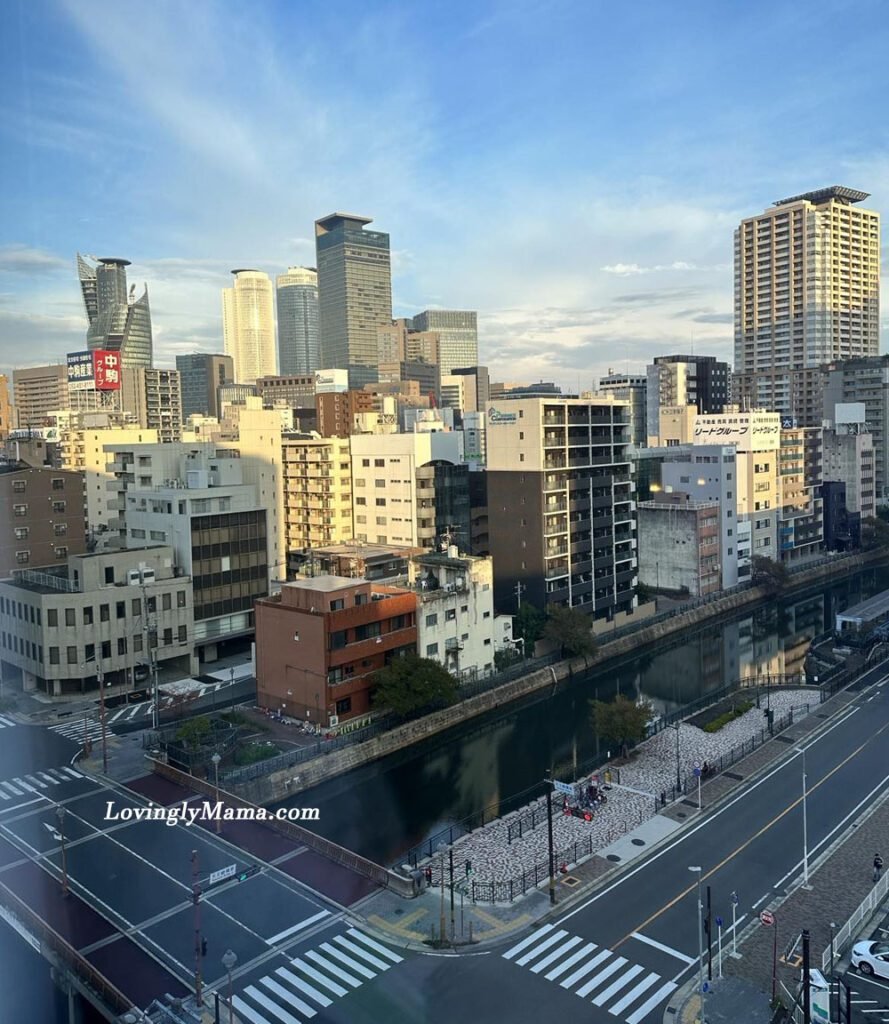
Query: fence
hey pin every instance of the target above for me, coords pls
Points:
(873, 899)
(50, 941)
(527, 820)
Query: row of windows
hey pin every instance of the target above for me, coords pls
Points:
(24, 557)
(20, 486)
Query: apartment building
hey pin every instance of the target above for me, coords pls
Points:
(336, 411)
(39, 391)
(317, 489)
(561, 522)
(679, 545)
(6, 421)
(200, 374)
(154, 399)
(631, 388)
(320, 641)
(107, 613)
(800, 512)
(848, 479)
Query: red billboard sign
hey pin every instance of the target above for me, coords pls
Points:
(107, 370)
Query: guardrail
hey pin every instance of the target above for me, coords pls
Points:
(105, 992)
(842, 937)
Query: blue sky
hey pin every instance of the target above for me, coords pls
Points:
(574, 171)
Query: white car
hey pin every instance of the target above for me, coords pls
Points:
(871, 958)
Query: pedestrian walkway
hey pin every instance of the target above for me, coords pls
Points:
(78, 729)
(7, 723)
(314, 980)
(627, 990)
(37, 782)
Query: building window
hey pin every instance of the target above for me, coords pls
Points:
(166, 602)
(58, 483)
(381, 502)
(137, 606)
(121, 645)
(168, 637)
(59, 506)
(104, 612)
(106, 648)
(379, 463)
(89, 652)
(72, 655)
(180, 598)
(450, 614)
(70, 617)
(109, 574)
(137, 643)
(338, 604)
(183, 634)
(52, 616)
(23, 557)
(431, 650)
(61, 552)
(344, 706)
(21, 532)
(20, 511)
(18, 486)
(380, 483)
(54, 656)
(152, 606)
(432, 620)
(87, 616)
(360, 501)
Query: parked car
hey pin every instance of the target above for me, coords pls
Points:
(871, 958)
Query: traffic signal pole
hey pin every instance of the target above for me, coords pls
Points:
(198, 948)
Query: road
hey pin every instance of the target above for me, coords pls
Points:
(620, 954)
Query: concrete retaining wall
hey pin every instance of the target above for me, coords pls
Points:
(283, 784)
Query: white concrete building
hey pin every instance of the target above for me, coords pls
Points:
(248, 324)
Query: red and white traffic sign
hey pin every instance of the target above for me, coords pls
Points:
(767, 917)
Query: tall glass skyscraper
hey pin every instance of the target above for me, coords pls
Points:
(117, 321)
(354, 294)
(458, 336)
(298, 345)
(248, 325)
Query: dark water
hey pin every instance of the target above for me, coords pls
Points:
(384, 808)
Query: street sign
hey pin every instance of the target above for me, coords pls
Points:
(718, 922)
(697, 772)
(563, 787)
(223, 873)
(696, 763)
(766, 917)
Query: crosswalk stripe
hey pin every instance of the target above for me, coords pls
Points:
(510, 953)
(4, 796)
(334, 970)
(533, 953)
(331, 986)
(369, 957)
(57, 775)
(304, 986)
(48, 778)
(586, 968)
(559, 950)
(24, 785)
(637, 1016)
(39, 782)
(72, 773)
(117, 715)
(247, 1012)
(297, 927)
(616, 986)
(353, 965)
(288, 997)
(603, 975)
(6, 721)
(368, 941)
(633, 994)
(570, 962)
(11, 788)
(267, 1004)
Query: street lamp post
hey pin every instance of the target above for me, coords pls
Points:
(802, 750)
(229, 959)
(549, 836)
(678, 769)
(697, 871)
(60, 814)
(441, 923)
(100, 678)
(216, 759)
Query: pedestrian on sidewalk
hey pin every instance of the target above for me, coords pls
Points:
(878, 867)
(428, 878)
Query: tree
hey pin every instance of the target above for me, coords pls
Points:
(874, 533)
(621, 720)
(528, 624)
(410, 684)
(505, 657)
(193, 732)
(571, 630)
(766, 572)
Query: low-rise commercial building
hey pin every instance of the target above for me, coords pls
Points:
(320, 641)
(107, 613)
(679, 545)
(317, 493)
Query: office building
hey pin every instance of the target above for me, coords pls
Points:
(296, 392)
(317, 493)
(477, 390)
(320, 641)
(807, 281)
(118, 321)
(248, 325)
(336, 411)
(561, 524)
(848, 477)
(457, 332)
(399, 342)
(865, 381)
(679, 545)
(106, 612)
(154, 399)
(298, 338)
(200, 374)
(354, 294)
(6, 408)
(39, 391)
(410, 489)
(800, 515)
(699, 381)
(455, 614)
(41, 516)
(631, 388)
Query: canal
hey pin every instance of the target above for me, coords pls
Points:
(391, 805)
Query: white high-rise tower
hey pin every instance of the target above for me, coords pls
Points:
(248, 324)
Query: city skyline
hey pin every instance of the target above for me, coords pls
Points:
(468, 179)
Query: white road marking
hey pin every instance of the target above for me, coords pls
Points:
(331, 986)
(363, 953)
(368, 941)
(533, 937)
(288, 997)
(664, 949)
(535, 951)
(273, 1008)
(338, 954)
(304, 986)
(642, 1012)
(633, 994)
(616, 986)
(570, 962)
(603, 975)
(11, 788)
(297, 927)
(556, 954)
(586, 968)
(247, 1012)
(334, 970)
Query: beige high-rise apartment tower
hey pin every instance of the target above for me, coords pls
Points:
(248, 325)
(807, 291)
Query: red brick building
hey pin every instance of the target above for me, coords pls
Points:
(319, 642)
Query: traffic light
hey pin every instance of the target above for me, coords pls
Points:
(468, 867)
(203, 947)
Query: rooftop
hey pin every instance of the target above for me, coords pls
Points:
(868, 611)
(332, 219)
(325, 584)
(822, 195)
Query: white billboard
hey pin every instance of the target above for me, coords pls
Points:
(747, 431)
(327, 381)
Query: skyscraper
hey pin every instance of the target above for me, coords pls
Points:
(117, 321)
(701, 381)
(298, 351)
(807, 279)
(458, 335)
(354, 294)
(201, 373)
(248, 325)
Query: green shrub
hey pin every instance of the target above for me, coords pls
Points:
(250, 753)
(728, 716)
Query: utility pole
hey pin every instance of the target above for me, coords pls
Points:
(100, 676)
(709, 937)
(549, 835)
(519, 589)
(807, 988)
(453, 925)
(198, 950)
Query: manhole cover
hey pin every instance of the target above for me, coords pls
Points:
(614, 857)
(638, 842)
(571, 881)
